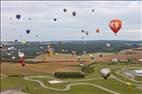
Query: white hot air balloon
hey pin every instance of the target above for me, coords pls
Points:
(21, 54)
(105, 72)
(84, 52)
(9, 54)
(73, 53)
(41, 47)
(23, 42)
(108, 44)
(78, 58)
(81, 64)
(91, 56)
(13, 57)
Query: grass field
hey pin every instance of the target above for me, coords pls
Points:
(91, 84)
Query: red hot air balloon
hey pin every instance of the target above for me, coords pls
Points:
(21, 61)
(115, 25)
(21, 58)
(97, 30)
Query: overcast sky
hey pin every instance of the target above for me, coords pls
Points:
(68, 27)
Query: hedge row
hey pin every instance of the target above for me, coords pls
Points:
(87, 69)
(69, 75)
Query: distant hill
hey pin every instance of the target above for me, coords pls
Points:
(32, 49)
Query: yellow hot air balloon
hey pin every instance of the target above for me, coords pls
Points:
(48, 46)
(23, 41)
(50, 51)
(129, 84)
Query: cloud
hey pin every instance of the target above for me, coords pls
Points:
(68, 27)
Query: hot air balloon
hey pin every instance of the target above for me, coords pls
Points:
(9, 54)
(97, 30)
(36, 35)
(18, 16)
(65, 10)
(115, 25)
(55, 19)
(48, 46)
(1, 46)
(81, 64)
(82, 37)
(91, 56)
(63, 50)
(105, 72)
(82, 31)
(50, 51)
(21, 58)
(129, 84)
(86, 32)
(92, 10)
(84, 52)
(23, 41)
(27, 31)
(21, 54)
(10, 18)
(16, 40)
(74, 13)
(41, 47)
(108, 45)
(100, 55)
(13, 57)
(73, 53)
(78, 58)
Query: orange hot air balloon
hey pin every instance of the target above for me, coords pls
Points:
(97, 30)
(115, 25)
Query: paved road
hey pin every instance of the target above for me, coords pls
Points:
(80, 82)
(68, 86)
(11, 91)
(2, 76)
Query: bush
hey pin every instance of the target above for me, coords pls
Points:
(69, 75)
(87, 69)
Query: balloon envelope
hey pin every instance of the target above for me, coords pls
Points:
(21, 54)
(55, 19)
(97, 30)
(64, 10)
(115, 25)
(23, 41)
(74, 13)
(18, 16)
(100, 55)
(105, 72)
(13, 57)
(16, 40)
(108, 44)
(82, 31)
(10, 18)
(36, 35)
(27, 31)
(92, 10)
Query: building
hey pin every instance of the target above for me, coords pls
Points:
(137, 73)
